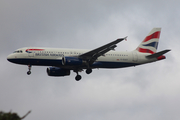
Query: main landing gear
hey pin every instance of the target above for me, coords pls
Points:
(88, 71)
(78, 77)
(29, 68)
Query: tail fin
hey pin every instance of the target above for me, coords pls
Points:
(150, 43)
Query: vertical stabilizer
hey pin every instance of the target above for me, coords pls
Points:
(150, 43)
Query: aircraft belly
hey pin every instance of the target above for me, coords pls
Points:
(41, 62)
(112, 64)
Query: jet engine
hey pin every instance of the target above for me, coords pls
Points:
(72, 61)
(56, 71)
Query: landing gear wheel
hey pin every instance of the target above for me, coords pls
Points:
(88, 71)
(29, 72)
(78, 77)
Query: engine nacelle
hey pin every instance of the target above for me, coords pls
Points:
(56, 71)
(72, 61)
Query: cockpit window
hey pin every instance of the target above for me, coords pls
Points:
(18, 51)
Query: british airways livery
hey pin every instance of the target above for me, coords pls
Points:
(62, 61)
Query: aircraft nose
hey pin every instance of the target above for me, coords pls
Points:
(9, 58)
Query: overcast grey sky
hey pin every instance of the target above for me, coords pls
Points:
(147, 92)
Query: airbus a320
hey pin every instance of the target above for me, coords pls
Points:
(62, 61)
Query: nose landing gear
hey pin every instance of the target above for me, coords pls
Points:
(29, 68)
(28, 72)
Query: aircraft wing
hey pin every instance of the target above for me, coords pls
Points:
(92, 55)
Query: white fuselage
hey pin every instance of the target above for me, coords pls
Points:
(53, 57)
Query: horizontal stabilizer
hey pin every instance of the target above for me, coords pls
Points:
(158, 54)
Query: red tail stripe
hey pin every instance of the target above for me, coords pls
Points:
(145, 50)
(154, 35)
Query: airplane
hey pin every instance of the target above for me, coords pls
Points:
(62, 60)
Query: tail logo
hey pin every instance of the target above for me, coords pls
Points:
(152, 36)
(150, 43)
(145, 50)
(153, 44)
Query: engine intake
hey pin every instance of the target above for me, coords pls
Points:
(72, 61)
(56, 71)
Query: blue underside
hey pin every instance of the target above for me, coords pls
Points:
(49, 62)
